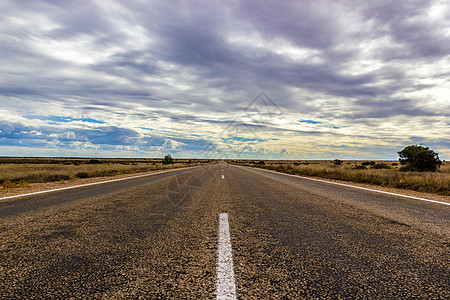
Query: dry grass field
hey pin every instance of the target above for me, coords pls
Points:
(19, 172)
(382, 173)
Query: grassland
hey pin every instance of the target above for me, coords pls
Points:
(382, 173)
(20, 172)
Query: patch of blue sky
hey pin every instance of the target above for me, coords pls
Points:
(310, 122)
(58, 119)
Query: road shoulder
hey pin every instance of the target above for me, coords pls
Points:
(404, 192)
(49, 186)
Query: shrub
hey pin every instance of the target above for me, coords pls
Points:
(419, 158)
(381, 166)
(337, 162)
(23, 183)
(82, 175)
(360, 168)
(94, 162)
(8, 184)
(167, 159)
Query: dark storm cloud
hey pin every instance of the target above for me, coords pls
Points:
(131, 62)
(301, 22)
(392, 107)
(407, 24)
(194, 37)
(192, 63)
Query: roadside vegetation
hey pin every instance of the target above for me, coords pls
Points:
(419, 158)
(382, 173)
(20, 172)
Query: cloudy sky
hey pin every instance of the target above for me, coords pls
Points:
(244, 79)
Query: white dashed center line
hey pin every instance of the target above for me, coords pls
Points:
(225, 285)
(223, 177)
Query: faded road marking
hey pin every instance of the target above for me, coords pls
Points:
(225, 285)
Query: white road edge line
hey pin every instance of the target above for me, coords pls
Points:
(225, 284)
(356, 187)
(93, 183)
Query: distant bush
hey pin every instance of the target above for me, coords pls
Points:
(94, 162)
(368, 163)
(262, 163)
(381, 166)
(360, 168)
(395, 164)
(167, 159)
(337, 162)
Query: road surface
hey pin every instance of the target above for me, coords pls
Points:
(157, 237)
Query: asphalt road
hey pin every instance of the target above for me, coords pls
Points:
(156, 237)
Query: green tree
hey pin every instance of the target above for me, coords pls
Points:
(419, 158)
(167, 159)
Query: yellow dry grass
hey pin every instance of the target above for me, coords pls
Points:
(19, 172)
(430, 182)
